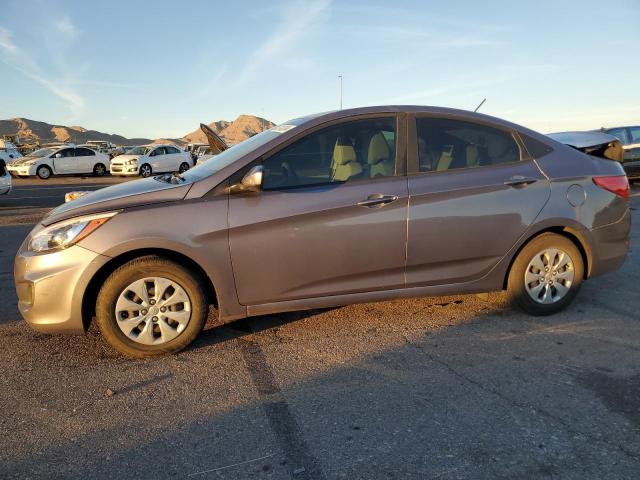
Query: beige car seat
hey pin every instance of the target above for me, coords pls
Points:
(379, 158)
(344, 164)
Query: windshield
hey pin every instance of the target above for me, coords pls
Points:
(229, 156)
(139, 151)
(43, 152)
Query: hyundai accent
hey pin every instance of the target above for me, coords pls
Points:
(350, 206)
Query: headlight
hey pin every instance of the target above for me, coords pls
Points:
(131, 162)
(29, 163)
(64, 234)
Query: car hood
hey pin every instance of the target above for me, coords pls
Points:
(124, 158)
(22, 160)
(129, 194)
(582, 139)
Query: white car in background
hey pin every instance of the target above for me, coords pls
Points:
(8, 151)
(64, 160)
(5, 179)
(151, 159)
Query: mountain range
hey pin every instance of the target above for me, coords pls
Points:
(32, 131)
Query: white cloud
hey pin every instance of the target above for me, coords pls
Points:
(6, 42)
(298, 18)
(20, 60)
(65, 26)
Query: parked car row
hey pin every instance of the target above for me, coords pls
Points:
(70, 159)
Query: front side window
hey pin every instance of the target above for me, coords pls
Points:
(447, 144)
(348, 151)
(65, 152)
(157, 151)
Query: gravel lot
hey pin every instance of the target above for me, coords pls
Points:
(433, 388)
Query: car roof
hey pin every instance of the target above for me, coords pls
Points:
(416, 109)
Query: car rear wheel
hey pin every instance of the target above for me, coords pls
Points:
(43, 172)
(184, 166)
(546, 275)
(151, 306)
(99, 170)
(145, 170)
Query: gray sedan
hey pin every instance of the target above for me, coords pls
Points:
(350, 206)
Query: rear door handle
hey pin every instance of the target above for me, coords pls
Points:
(520, 181)
(377, 200)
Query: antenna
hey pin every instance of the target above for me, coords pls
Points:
(340, 77)
(481, 103)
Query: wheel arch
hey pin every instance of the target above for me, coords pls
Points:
(93, 287)
(571, 233)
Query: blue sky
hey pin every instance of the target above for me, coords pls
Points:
(157, 69)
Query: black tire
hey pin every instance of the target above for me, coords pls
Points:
(517, 288)
(184, 166)
(146, 171)
(44, 172)
(99, 170)
(140, 268)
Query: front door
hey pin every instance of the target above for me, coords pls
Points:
(473, 193)
(330, 219)
(66, 162)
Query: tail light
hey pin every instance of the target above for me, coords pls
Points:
(618, 185)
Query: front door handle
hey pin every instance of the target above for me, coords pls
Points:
(520, 181)
(377, 200)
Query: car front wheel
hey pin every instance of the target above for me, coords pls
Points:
(43, 172)
(145, 170)
(546, 275)
(151, 306)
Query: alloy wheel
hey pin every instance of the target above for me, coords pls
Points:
(153, 310)
(549, 275)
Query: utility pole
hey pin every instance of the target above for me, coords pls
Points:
(340, 77)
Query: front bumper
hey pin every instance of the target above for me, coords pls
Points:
(124, 170)
(22, 171)
(51, 287)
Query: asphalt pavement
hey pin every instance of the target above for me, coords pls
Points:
(434, 388)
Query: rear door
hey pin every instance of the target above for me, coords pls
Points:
(330, 219)
(85, 159)
(174, 158)
(158, 159)
(473, 192)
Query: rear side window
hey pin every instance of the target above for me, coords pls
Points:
(536, 148)
(447, 144)
(635, 134)
(84, 152)
(171, 150)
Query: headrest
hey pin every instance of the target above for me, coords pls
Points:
(343, 152)
(378, 149)
(472, 155)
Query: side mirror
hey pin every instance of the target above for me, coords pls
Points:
(58, 155)
(251, 182)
